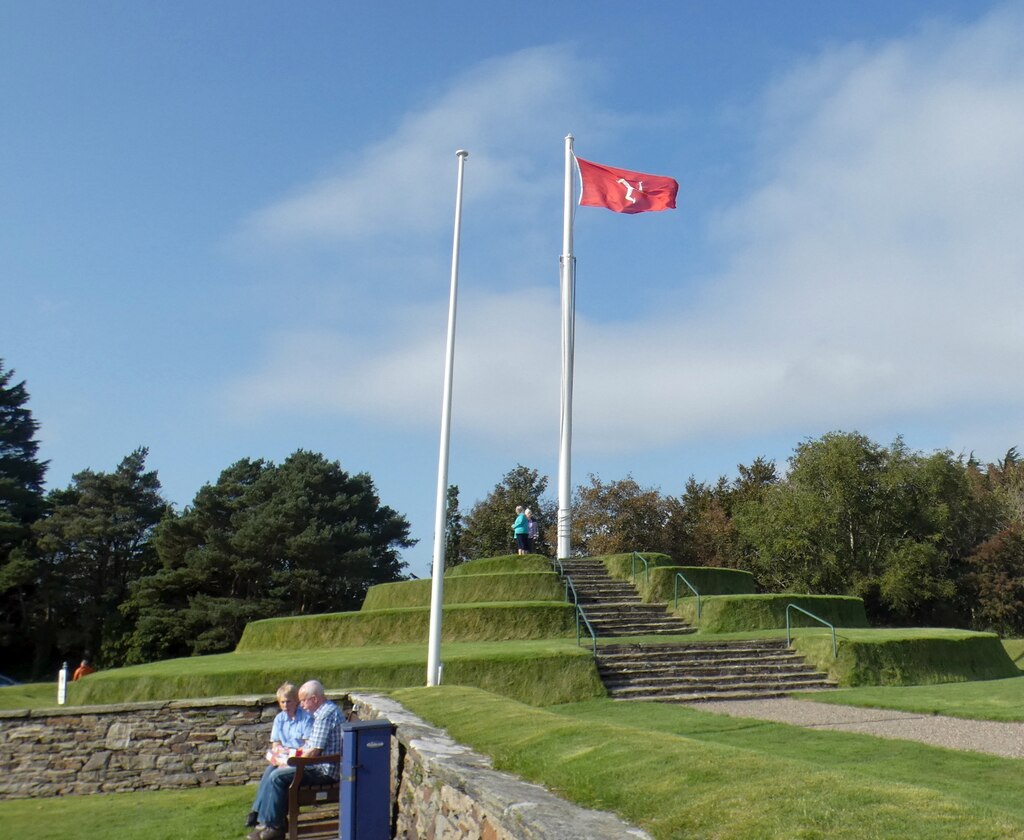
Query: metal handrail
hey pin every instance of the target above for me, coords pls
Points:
(681, 577)
(593, 635)
(647, 569)
(569, 587)
(789, 636)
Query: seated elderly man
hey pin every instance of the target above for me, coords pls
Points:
(291, 728)
(325, 739)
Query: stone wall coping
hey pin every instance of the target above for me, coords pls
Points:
(255, 700)
(529, 811)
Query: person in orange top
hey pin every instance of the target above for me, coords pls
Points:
(83, 670)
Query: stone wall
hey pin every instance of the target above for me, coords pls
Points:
(137, 746)
(446, 790)
(441, 789)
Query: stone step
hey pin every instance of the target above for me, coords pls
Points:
(640, 692)
(625, 632)
(623, 622)
(629, 614)
(607, 593)
(712, 669)
(720, 661)
(625, 610)
(605, 589)
(678, 673)
(657, 681)
(626, 606)
(669, 651)
(703, 696)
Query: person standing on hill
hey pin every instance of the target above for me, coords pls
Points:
(521, 530)
(532, 530)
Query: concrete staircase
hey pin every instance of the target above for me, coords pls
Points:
(684, 672)
(614, 608)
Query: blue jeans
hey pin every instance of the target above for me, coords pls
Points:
(264, 786)
(271, 803)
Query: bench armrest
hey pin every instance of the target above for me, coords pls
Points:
(301, 762)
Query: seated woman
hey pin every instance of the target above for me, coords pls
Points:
(292, 726)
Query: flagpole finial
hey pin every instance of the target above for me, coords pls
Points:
(462, 153)
(569, 136)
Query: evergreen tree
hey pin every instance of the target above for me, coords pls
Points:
(453, 529)
(21, 504)
(93, 545)
(265, 540)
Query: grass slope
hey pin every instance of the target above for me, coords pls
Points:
(468, 589)
(989, 782)
(461, 622)
(506, 563)
(538, 672)
(906, 656)
(736, 613)
(661, 583)
(677, 786)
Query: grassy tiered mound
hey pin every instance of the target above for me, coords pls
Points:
(536, 672)
(506, 628)
(520, 642)
(740, 613)
(492, 599)
(660, 584)
(907, 656)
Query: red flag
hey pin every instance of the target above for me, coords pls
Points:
(624, 191)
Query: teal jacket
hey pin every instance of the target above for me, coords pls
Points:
(521, 525)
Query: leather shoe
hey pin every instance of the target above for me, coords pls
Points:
(255, 833)
(272, 833)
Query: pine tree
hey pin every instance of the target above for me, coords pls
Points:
(21, 504)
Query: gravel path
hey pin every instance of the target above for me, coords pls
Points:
(1005, 739)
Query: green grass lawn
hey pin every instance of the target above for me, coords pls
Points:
(1001, 700)
(679, 773)
(29, 695)
(1015, 650)
(201, 814)
(990, 782)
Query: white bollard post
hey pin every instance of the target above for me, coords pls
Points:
(62, 685)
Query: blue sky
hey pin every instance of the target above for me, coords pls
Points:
(226, 232)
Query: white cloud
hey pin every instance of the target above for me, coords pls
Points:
(498, 112)
(395, 377)
(877, 272)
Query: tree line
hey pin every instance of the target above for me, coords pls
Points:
(106, 569)
(924, 539)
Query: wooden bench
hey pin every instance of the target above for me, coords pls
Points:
(300, 795)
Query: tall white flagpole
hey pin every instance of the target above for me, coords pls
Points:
(568, 280)
(437, 581)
